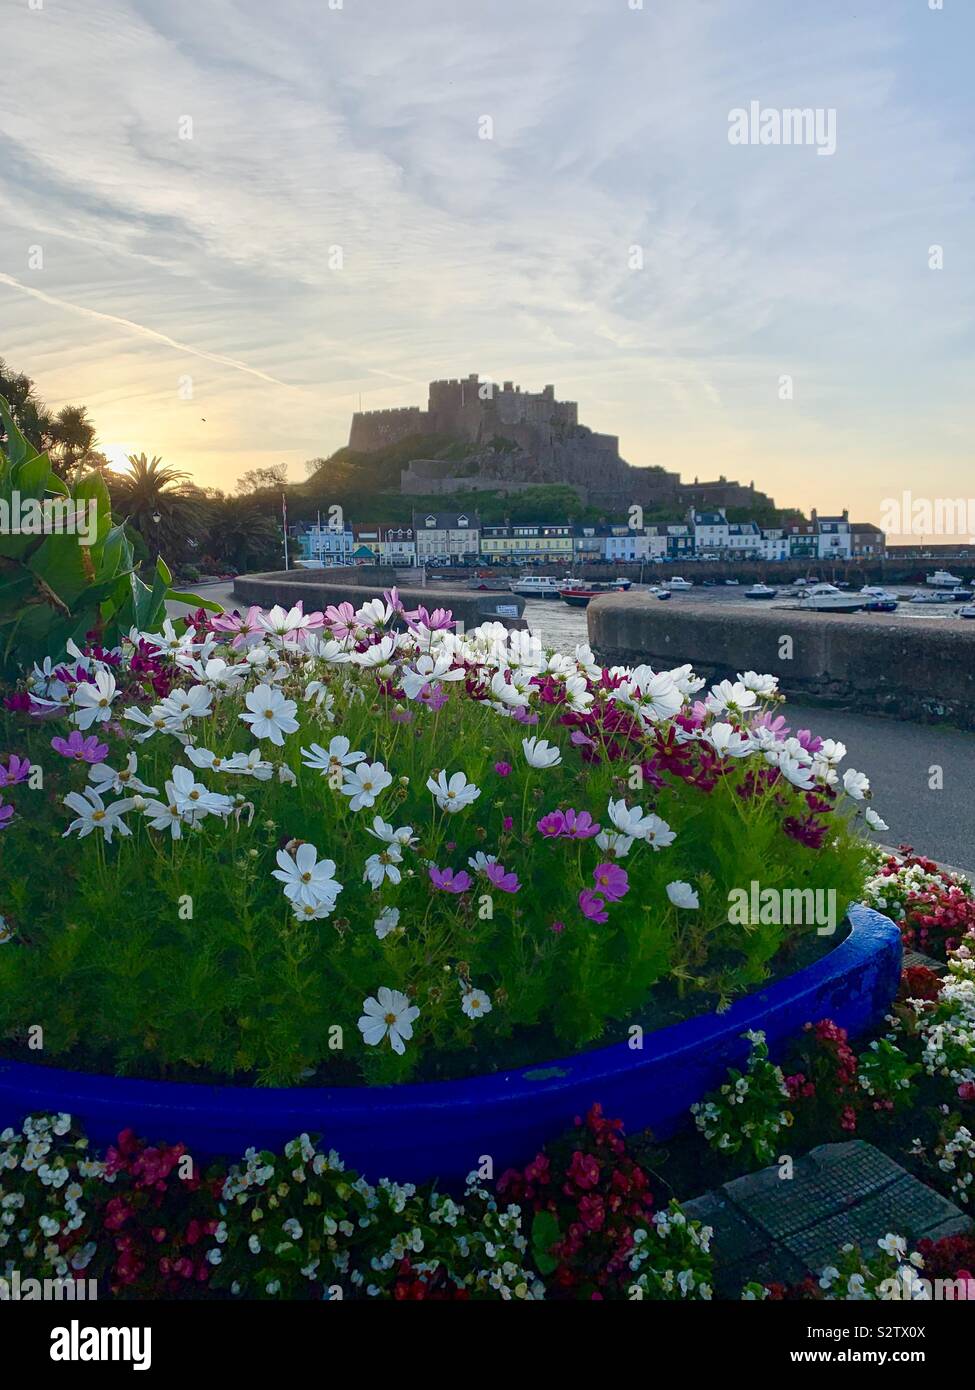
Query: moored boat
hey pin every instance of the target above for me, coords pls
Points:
(761, 591)
(943, 579)
(827, 598)
(536, 586)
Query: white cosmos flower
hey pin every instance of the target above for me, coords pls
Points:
(386, 922)
(313, 912)
(894, 1245)
(453, 793)
(577, 694)
(762, 685)
(281, 624)
(652, 694)
(375, 613)
(479, 861)
(429, 669)
(727, 741)
(93, 702)
(874, 821)
(337, 756)
(105, 779)
(216, 672)
(681, 894)
(794, 770)
(271, 715)
(730, 695)
(389, 1014)
(154, 722)
(93, 814)
(540, 753)
(180, 706)
(637, 824)
(507, 695)
(194, 798)
(475, 1003)
(382, 830)
(249, 765)
(384, 865)
(831, 752)
(612, 842)
(327, 649)
(855, 784)
(381, 654)
(323, 698)
(167, 815)
(212, 762)
(167, 641)
(364, 783)
(306, 878)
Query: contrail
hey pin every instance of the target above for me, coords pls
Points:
(143, 332)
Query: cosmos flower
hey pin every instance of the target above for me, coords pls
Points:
(388, 1015)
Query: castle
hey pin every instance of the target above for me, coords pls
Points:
(521, 439)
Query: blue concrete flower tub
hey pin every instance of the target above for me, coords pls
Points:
(442, 1129)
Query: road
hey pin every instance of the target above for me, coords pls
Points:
(901, 759)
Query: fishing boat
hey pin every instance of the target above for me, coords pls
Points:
(933, 596)
(761, 591)
(677, 585)
(943, 579)
(878, 599)
(536, 586)
(580, 597)
(827, 598)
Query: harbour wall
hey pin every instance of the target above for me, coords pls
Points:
(871, 664)
(317, 589)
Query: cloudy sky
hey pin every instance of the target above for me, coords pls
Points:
(176, 178)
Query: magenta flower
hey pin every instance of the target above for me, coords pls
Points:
(17, 770)
(242, 626)
(581, 740)
(437, 621)
(341, 619)
(810, 741)
(503, 769)
(558, 927)
(525, 716)
(507, 882)
(508, 822)
(611, 880)
(82, 750)
(433, 696)
(449, 882)
(593, 906)
(552, 825)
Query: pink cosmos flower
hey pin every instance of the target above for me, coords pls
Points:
(611, 880)
(6, 815)
(82, 750)
(244, 627)
(507, 882)
(448, 881)
(503, 769)
(438, 621)
(552, 825)
(17, 770)
(557, 927)
(341, 619)
(525, 716)
(581, 740)
(433, 696)
(593, 906)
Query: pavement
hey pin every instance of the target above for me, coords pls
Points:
(901, 759)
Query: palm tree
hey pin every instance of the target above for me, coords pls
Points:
(241, 532)
(161, 503)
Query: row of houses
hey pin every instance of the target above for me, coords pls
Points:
(461, 538)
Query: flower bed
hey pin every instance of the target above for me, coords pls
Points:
(291, 848)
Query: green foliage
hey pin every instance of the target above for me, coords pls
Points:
(76, 578)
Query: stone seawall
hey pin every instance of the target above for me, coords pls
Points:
(317, 590)
(874, 664)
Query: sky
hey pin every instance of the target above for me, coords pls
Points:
(223, 225)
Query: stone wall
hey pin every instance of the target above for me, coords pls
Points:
(319, 588)
(873, 663)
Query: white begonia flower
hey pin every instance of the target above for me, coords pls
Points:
(540, 753)
(270, 715)
(306, 878)
(681, 894)
(475, 1003)
(856, 784)
(388, 1014)
(363, 783)
(93, 814)
(454, 793)
(93, 702)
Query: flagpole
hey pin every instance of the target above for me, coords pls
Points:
(284, 522)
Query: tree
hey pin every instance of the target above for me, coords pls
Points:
(255, 480)
(68, 437)
(161, 504)
(242, 534)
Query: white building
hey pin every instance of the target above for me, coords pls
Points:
(834, 536)
(745, 539)
(625, 544)
(451, 536)
(710, 530)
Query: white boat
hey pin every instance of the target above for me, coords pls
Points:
(760, 591)
(877, 591)
(678, 585)
(537, 586)
(968, 611)
(827, 598)
(942, 579)
(732, 583)
(933, 596)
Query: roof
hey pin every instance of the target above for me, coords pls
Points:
(447, 521)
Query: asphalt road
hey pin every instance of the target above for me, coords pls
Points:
(898, 757)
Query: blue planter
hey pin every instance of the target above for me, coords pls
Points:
(442, 1129)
